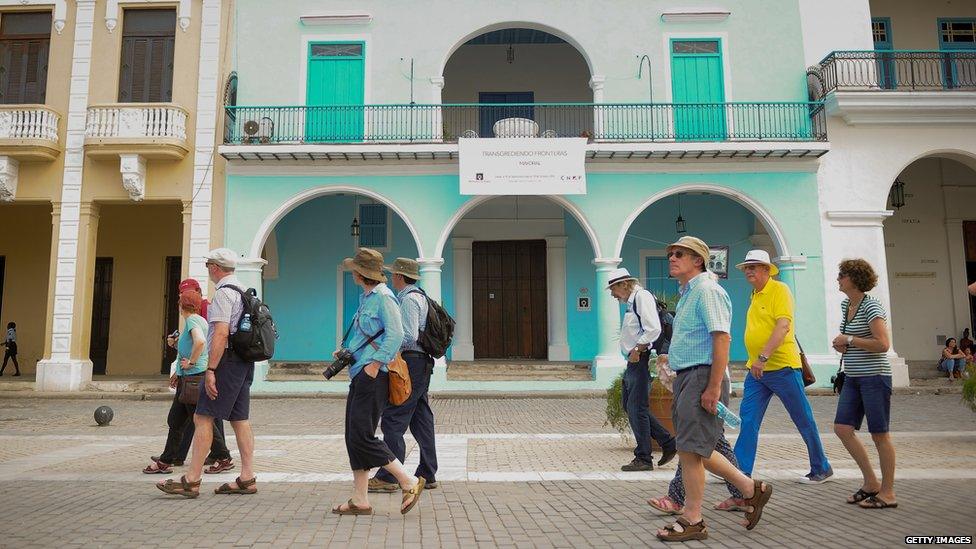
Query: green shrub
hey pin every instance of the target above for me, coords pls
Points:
(969, 387)
(616, 415)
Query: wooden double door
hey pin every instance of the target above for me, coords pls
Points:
(509, 299)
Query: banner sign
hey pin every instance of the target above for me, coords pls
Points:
(522, 166)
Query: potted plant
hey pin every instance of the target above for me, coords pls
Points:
(659, 402)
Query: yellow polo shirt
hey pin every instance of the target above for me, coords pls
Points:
(770, 304)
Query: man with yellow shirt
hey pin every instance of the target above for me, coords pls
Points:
(774, 369)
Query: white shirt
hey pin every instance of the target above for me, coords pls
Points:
(645, 331)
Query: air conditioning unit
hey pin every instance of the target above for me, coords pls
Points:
(259, 131)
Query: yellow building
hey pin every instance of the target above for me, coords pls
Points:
(108, 116)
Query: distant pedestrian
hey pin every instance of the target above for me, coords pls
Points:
(864, 342)
(227, 382)
(374, 339)
(416, 412)
(699, 355)
(775, 368)
(639, 329)
(953, 360)
(191, 364)
(10, 351)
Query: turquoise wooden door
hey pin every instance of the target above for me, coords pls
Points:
(350, 299)
(698, 90)
(881, 31)
(957, 41)
(335, 92)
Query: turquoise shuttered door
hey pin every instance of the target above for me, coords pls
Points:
(881, 31)
(957, 40)
(698, 90)
(350, 299)
(335, 82)
(372, 225)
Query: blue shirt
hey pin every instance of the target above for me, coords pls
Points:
(184, 346)
(378, 310)
(413, 312)
(704, 308)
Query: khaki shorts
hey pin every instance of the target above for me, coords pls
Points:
(696, 429)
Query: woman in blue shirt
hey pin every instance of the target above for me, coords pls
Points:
(374, 339)
(192, 357)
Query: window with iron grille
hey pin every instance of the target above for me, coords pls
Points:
(958, 32)
(879, 28)
(337, 50)
(25, 40)
(694, 46)
(372, 226)
(148, 41)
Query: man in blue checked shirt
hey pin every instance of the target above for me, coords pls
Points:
(699, 355)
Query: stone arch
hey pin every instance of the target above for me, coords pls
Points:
(768, 221)
(275, 217)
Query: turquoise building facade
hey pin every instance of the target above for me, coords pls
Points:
(344, 131)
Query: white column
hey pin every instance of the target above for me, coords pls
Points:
(463, 348)
(556, 285)
(437, 120)
(957, 275)
(609, 362)
(860, 234)
(596, 84)
(64, 370)
(430, 281)
(204, 140)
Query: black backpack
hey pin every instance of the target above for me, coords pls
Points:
(663, 342)
(254, 342)
(439, 330)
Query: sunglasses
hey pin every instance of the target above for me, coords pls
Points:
(676, 253)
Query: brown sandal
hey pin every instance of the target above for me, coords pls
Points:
(243, 487)
(157, 468)
(758, 500)
(219, 466)
(182, 488)
(682, 530)
(351, 509)
(415, 493)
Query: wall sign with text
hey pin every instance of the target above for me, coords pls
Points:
(522, 166)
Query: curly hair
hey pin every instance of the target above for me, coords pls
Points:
(860, 272)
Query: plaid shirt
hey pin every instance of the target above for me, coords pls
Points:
(704, 308)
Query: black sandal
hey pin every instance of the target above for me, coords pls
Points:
(874, 502)
(860, 496)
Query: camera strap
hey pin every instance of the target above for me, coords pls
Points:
(367, 342)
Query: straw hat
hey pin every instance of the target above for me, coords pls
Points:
(696, 245)
(368, 263)
(758, 257)
(619, 275)
(406, 267)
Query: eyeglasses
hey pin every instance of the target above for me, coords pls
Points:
(676, 253)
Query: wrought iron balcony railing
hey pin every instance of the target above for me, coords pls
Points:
(601, 122)
(894, 70)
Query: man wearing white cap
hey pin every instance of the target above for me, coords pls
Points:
(638, 331)
(774, 368)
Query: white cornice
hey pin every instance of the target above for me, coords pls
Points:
(60, 9)
(893, 107)
(112, 12)
(695, 15)
(859, 218)
(336, 19)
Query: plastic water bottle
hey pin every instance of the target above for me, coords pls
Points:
(246, 323)
(728, 416)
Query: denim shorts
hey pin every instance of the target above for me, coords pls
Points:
(865, 396)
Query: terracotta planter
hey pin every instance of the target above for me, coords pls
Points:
(660, 405)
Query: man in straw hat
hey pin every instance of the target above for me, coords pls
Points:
(699, 354)
(374, 339)
(775, 368)
(415, 412)
(639, 329)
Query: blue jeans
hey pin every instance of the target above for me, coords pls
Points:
(637, 384)
(416, 414)
(787, 384)
(949, 365)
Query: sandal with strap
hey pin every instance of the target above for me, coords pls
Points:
(243, 487)
(220, 466)
(758, 500)
(874, 502)
(351, 509)
(682, 530)
(860, 496)
(158, 468)
(181, 488)
(666, 505)
(414, 493)
(732, 505)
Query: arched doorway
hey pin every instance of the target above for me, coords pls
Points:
(511, 73)
(522, 280)
(730, 226)
(930, 246)
(304, 243)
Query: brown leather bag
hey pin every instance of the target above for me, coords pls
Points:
(190, 389)
(808, 376)
(399, 376)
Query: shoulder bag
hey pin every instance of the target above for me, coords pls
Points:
(809, 378)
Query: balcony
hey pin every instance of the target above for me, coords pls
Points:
(719, 130)
(29, 132)
(151, 130)
(897, 86)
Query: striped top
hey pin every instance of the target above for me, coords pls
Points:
(858, 362)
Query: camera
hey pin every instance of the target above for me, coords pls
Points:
(837, 380)
(343, 358)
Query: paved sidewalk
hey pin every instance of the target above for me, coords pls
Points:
(514, 473)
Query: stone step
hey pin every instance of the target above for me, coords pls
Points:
(924, 369)
(518, 370)
(303, 371)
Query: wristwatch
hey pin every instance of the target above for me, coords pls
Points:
(850, 341)
(214, 370)
(763, 358)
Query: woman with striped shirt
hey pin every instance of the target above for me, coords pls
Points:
(864, 342)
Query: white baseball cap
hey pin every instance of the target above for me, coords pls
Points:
(224, 257)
